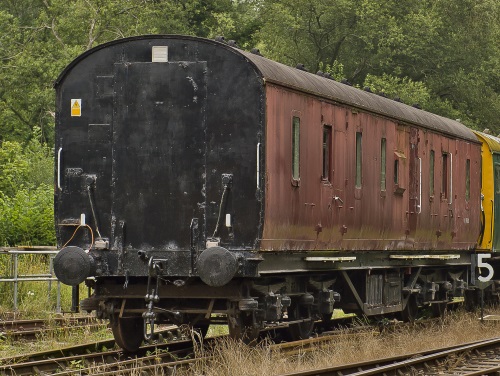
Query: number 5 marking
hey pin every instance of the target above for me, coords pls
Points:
(481, 264)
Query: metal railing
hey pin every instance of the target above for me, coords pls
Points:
(15, 277)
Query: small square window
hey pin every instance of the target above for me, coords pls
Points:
(159, 54)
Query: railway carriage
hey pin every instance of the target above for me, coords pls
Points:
(194, 179)
(490, 183)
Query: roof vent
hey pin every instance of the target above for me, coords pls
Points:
(320, 73)
(345, 82)
(416, 105)
(367, 89)
(232, 43)
(301, 66)
(220, 38)
(159, 54)
(255, 51)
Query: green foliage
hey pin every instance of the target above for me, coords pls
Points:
(28, 217)
(451, 48)
(26, 194)
(406, 89)
(13, 168)
(37, 40)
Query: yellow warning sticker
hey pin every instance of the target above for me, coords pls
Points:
(76, 107)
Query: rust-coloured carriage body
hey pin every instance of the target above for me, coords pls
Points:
(393, 183)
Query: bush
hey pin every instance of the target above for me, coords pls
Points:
(26, 194)
(28, 217)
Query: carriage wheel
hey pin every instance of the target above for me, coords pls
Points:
(303, 329)
(198, 324)
(409, 313)
(243, 326)
(472, 299)
(327, 321)
(128, 332)
(439, 309)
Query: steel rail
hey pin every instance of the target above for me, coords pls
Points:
(35, 334)
(65, 358)
(18, 325)
(83, 358)
(113, 362)
(410, 362)
(34, 329)
(160, 359)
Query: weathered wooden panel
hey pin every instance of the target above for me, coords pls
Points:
(354, 210)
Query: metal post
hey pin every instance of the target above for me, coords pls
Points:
(50, 282)
(75, 298)
(15, 281)
(58, 306)
(482, 305)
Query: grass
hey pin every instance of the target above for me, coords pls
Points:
(35, 299)
(227, 357)
(63, 336)
(230, 358)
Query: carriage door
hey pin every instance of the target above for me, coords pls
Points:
(415, 194)
(158, 152)
(496, 216)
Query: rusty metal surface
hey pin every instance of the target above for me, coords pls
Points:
(300, 80)
(320, 215)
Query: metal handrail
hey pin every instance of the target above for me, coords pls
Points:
(15, 278)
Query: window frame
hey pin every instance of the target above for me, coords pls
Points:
(396, 171)
(432, 169)
(295, 148)
(383, 164)
(327, 154)
(467, 179)
(358, 181)
(445, 180)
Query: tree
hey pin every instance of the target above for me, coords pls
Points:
(39, 38)
(452, 48)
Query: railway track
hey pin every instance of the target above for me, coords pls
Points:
(473, 359)
(77, 359)
(97, 358)
(34, 329)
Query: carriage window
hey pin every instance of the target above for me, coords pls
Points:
(444, 182)
(327, 153)
(358, 160)
(382, 163)
(431, 176)
(396, 171)
(296, 148)
(496, 182)
(467, 179)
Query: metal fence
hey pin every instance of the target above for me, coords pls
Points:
(15, 277)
